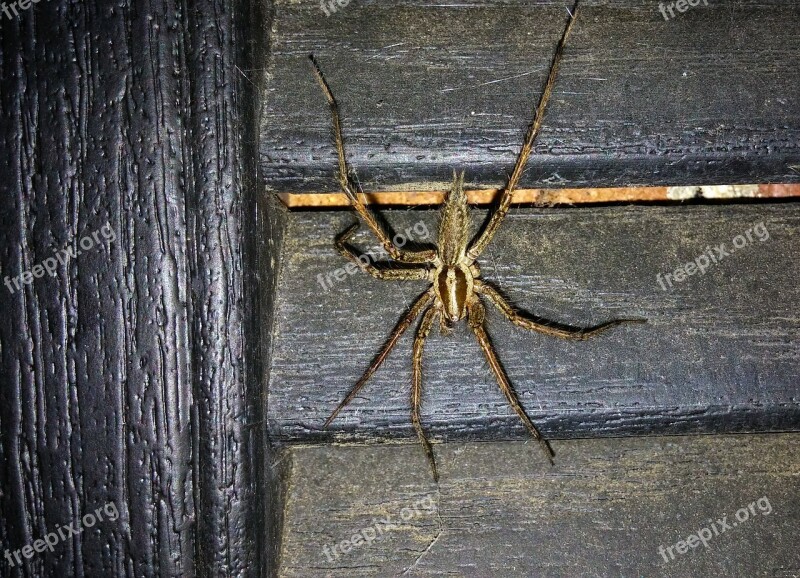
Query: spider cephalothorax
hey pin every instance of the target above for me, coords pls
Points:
(456, 287)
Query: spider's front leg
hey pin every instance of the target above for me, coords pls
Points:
(416, 383)
(406, 274)
(477, 322)
(560, 331)
(405, 322)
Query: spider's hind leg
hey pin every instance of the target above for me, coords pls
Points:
(477, 322)
(344, 175)
(501, 209)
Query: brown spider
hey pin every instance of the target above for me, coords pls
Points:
(452, 270)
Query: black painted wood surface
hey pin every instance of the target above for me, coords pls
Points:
(709, 96)
(604, 510)
(134, 374)
(131, 375)
(720, 351)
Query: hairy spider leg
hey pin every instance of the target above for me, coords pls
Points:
(477, 321)
(416, 384)
(501, 210)
(405, 322)
(344, 183)
(396, 274)
(552, 329)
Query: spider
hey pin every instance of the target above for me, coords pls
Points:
(456, 285)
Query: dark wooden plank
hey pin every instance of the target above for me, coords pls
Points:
(720, 352)
(268, 496)
(130, 375)
(425, 87)
(604, 510)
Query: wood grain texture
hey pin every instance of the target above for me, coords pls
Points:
(603, 510)
(127, 376)
(720, 351)
(427, 87)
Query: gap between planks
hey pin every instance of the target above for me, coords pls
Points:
(549, 197)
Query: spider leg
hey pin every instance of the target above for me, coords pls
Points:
(533, 131)
(416, 388)
(561, 331)
(345, 184)
(477, 319)
(416, 308)
(367, 266)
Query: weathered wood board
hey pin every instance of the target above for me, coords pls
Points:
(709, 96)
(720, 351)
(607, 508)
(127, 372)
